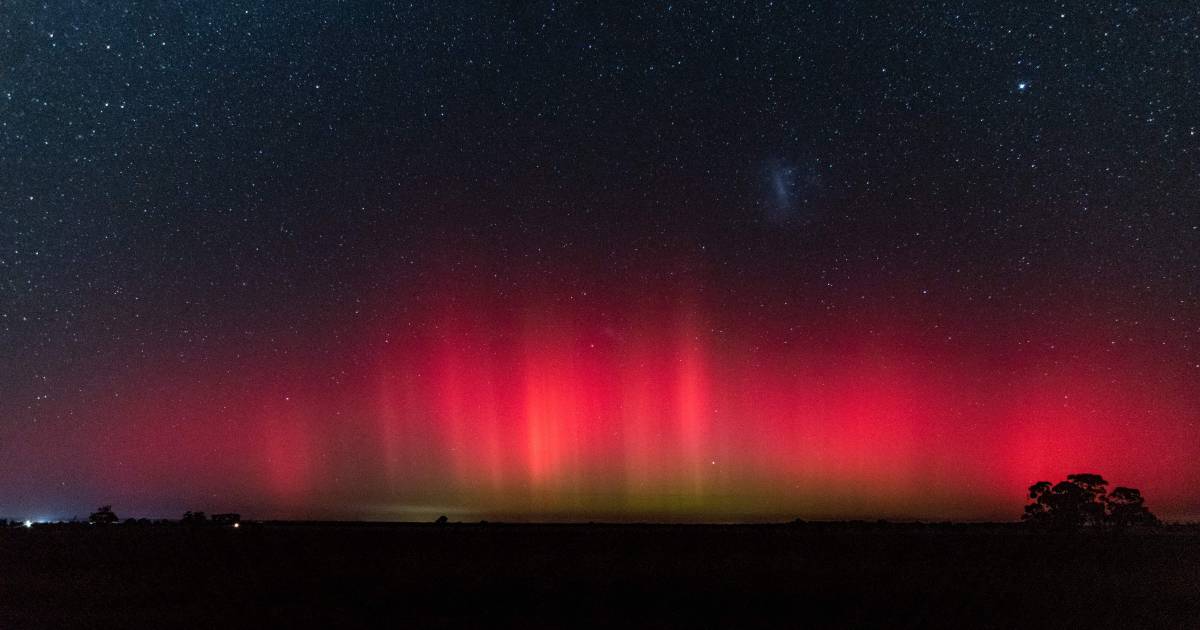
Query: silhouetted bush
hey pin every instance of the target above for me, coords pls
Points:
(194, 518)
(103, 516)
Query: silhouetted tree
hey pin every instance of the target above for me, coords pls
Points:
(1127, 507)
(442, 520)
(103, 516)
(1039, 510)
(1068, 504)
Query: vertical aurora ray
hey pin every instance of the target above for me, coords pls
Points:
(692, 402)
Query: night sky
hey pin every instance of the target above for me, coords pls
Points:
(547, 260)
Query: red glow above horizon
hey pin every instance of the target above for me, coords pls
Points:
(651, 410)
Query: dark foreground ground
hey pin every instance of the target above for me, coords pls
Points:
(621, 576)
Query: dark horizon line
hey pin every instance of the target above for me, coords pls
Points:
(798, 522)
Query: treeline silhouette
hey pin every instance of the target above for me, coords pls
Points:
(105, 516)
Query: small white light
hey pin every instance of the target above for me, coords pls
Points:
(237, 525)
(28, 524)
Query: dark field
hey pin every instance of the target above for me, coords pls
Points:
(569, 575)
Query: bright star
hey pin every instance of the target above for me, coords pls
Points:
(1022, 85)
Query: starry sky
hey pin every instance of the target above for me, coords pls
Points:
(554, 260)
